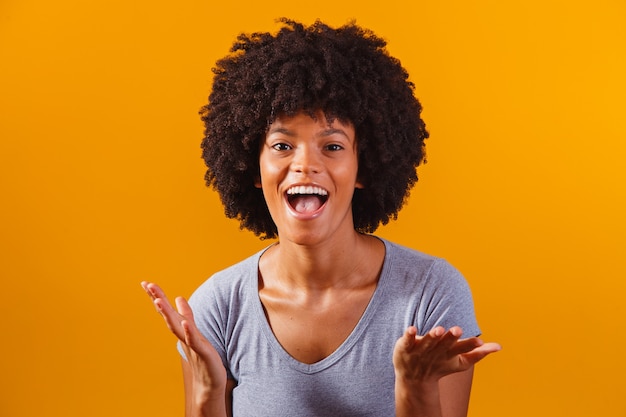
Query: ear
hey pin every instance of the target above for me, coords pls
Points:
(360, 184)
(257, 181)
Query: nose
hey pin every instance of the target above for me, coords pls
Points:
(307, 160)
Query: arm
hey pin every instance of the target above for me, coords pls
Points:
(454, 392)
(434, 372)
(206, 388)
(189, 392)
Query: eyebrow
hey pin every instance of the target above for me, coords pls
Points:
(282, 130)
(331, 131)
(323, 133)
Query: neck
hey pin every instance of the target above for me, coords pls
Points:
(341, 263)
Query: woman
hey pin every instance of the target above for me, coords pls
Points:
(313, 136)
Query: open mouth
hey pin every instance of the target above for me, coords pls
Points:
(306, 198)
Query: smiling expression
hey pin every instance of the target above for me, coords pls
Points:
(308, 173)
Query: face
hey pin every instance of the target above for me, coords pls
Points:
(308, 175)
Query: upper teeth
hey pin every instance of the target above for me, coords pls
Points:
(307, 189)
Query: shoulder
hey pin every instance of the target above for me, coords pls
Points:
(438, 293)
(402, 257)
(420, 271)
(234, 280)
(401, 252)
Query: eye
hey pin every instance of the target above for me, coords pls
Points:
(334, 147)
(281, 146)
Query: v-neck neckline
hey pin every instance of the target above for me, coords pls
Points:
(350, 340)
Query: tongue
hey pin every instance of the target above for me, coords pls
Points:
(306, 203)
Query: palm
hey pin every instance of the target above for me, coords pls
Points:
(205, 362)
(437, 354)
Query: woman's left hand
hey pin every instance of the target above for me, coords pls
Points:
(427, 358)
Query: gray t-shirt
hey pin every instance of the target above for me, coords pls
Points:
(355, 380)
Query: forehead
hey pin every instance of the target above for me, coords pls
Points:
(317, 122)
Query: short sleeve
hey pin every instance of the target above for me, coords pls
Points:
(207, 305)
(447, 301)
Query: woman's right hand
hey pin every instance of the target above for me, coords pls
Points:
(208, 375)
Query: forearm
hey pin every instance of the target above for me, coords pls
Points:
(206, 400)
(206, 405)
(416, 399)
(434, 372)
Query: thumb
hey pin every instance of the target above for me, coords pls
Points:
(183, 308)
(408, 339)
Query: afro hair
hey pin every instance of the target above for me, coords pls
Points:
(347, 74)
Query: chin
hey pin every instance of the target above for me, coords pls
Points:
(302, 237)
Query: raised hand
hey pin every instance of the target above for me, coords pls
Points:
(439, 353)
(207, 371)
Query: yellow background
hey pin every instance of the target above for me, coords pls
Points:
(101, 187)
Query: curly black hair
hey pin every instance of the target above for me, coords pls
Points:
(347, 74)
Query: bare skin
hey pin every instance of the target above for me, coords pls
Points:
(317, 281)
(207, 391)
(434, 371)
(311, 319)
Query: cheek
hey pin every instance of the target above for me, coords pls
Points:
(270, 175)
(349, 172)
(269, 172)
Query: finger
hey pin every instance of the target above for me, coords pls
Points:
(153, 290)
(436, 332)
(145, 285)
(183, 308)
(189, 354)
(456, 331)
(480, 352)
(465, 345)
(431, 339)
(439, 342)
(171, 316)
(408, 338)
(450, 338)
(193, 338)
(161, 302)
(186, 329)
